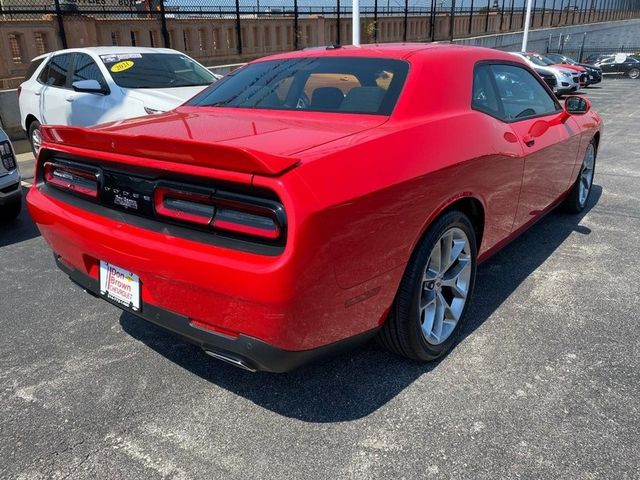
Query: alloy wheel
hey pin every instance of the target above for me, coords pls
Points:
(586, 175)
(36, 140)
(634, 73)
(445, 286)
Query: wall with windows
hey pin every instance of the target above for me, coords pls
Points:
(214, 40)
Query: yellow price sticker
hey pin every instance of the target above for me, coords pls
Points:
(122, 66)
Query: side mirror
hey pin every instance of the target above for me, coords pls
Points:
(539, 128)
(88, 86)
(575, 105)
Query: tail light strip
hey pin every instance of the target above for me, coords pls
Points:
(207, 208)
(251, 217)
(72, 179)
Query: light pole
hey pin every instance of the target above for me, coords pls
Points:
(525, 35)
(355, 22)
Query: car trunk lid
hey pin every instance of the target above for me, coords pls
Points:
(264, 142)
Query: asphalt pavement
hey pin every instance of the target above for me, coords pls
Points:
(543, 384)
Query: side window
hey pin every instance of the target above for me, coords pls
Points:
(86, 69)
(521, 94)
(57, 71)
(32, 68)
(484, 97)
(44, 74)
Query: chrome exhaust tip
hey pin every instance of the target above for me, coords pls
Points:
(233, 361)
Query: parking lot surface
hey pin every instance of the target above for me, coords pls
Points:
(543, 384)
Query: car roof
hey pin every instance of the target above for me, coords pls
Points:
(109, 51)
(399, 51)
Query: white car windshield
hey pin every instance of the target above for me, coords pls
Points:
(156, 70)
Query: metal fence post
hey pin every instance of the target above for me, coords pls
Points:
(296, 27)
(486, 20)
(584, 37)
(532, 20)
(238, 29)
(338, 24)
(501, 16)
(470, 18)
(163, 26)
(452, 20)
(406, 20)
(432, 21)
(553, 13)
(524, 9)
(375, 21)
(511, 15)
(61, 32)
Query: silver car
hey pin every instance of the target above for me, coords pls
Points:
(567, 80)
(10, 189)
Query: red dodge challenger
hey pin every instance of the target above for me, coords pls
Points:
(311, 200)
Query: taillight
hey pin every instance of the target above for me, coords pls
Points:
(222, 211)
(183, 205)
(72, 179)
(19, 90)
(247, 223)
(6, 155)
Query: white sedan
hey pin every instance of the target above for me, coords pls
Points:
(87, 86)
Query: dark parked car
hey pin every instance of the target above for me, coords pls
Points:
(620, 64)
(549, 78)
(594, 74)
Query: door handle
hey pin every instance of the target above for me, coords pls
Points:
(528, 140)
(69, 98)
(38, 92)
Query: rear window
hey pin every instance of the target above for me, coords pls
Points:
(326, 84)
(33, 66)
(156, 70)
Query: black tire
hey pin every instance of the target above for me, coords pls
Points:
(634, 73)
(33, 126)
(10, 211)
(573, 203)
(402, 331)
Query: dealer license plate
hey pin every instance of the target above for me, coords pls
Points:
(120, 285)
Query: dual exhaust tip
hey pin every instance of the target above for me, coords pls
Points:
(231, 360)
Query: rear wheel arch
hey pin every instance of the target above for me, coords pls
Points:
(471, 206)
(596, 139)
(29, 120)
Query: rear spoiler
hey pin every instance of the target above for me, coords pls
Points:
(174, 150)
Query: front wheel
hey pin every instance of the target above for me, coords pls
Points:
(634, 73)
(577, 199)
(430, 305)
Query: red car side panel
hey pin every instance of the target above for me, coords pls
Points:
(357, 202)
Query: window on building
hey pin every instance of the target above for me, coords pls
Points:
(15, 44)
(115, 38)
(134, 38)
(152, 38)
(186, 41)
(41, 42)
(202, 39)
(231, 39)
(216, 39)
(267, 36)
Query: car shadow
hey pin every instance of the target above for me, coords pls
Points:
(357, 383)
(20, 229)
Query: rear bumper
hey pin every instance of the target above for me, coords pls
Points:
(242, 351)
(10, 189)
